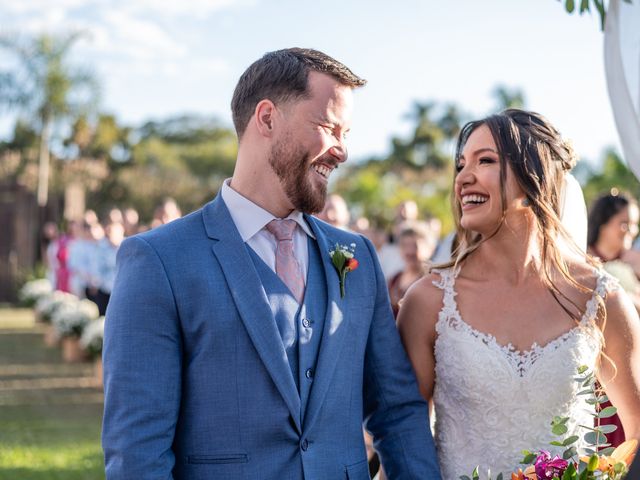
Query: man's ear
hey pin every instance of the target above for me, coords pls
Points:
(264, 115)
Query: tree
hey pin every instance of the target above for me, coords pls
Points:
(45, 88)
(585, 6)
(612, 173)
(508, 98)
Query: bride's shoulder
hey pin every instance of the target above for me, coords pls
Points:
(591, 276)
(424, 298)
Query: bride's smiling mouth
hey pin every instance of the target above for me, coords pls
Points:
(472, 200)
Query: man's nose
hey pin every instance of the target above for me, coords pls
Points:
(339, 152)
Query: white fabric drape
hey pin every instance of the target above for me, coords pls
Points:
(622, 67)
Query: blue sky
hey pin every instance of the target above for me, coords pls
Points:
(158, 58)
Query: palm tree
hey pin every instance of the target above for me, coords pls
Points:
(45, 88)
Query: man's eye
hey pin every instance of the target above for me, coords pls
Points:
(459, 167)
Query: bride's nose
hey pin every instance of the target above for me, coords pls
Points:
(464, 177)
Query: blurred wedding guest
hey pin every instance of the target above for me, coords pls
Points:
(48, 250)
(389, 254)
(377, 236)
(104, 265)
(62, 273)
(80, 257)
(166, 212)
(114, 215)
(335, 212)
(612, 226)
(416, 247)
(90, 217)
(131, 221)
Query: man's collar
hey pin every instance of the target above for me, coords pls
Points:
(251, 218)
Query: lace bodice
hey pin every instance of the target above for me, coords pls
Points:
(492, 401)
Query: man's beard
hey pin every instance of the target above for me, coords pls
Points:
(292, 165)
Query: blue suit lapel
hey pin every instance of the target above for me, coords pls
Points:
(250, 300)
(334, 332)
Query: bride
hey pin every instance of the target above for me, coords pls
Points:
(497, 335)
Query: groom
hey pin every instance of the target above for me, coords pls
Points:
(230, 351)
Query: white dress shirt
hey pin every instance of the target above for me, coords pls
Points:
(251, 220)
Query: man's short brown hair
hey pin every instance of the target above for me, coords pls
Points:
(282, 76)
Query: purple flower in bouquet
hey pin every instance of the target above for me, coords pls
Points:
(547, 468)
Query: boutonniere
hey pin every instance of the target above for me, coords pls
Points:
(344, 262)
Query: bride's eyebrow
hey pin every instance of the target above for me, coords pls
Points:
(482, 150)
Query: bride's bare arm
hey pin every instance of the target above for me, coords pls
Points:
(416, 322)
(622, 346)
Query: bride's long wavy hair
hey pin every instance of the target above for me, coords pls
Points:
(539, 158)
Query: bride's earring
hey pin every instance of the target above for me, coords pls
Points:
(526, 202)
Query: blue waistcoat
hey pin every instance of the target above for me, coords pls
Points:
(300, 326)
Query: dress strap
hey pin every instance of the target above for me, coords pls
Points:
(605, 284)
(446, 283)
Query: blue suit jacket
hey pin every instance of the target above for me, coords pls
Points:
(197, 383)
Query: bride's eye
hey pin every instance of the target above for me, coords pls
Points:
(487, 160)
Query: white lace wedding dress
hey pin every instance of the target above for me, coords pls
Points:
(492, 401)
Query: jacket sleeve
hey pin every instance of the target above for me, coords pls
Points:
(394, 411)
(142, 367)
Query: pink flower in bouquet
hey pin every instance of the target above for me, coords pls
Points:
(547, 468)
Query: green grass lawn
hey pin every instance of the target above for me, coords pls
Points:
(50, 412)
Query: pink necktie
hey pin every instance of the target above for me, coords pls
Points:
(287, 266)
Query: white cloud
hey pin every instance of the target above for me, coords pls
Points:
(140, 38)
(192, 8)
(39, 6)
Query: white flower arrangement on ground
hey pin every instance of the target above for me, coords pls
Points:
(92, 336)
(47, 305)
(70, 318)
(33, 291)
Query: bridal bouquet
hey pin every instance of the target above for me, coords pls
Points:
(599, 461)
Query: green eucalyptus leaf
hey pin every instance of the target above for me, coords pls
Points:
(559, 429)
(589, 451)
(570, 440)
(603, 398)
(607, 451)
(587, 391)
(557, 444)
(570, 5)
(529, 458)
(591, 401)
(607, 412)
(569, 452)
(595, 438)
(607, 428)
(584, 6)
(475, 475)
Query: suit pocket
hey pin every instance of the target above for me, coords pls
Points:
(358, 471)
(218, 459)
